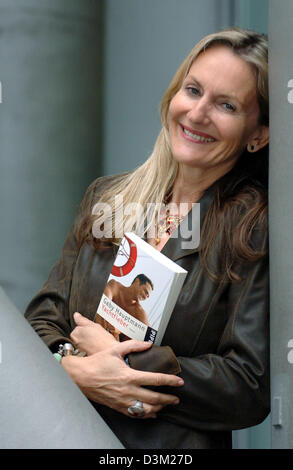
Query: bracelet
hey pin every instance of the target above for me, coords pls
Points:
(65, 350)
(58, 357)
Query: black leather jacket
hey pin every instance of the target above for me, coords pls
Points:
(219, 333)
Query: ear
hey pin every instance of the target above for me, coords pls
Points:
(259, 139)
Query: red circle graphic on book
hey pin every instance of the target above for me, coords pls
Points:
(130, 253)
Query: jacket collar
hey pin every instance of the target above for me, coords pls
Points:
(184, 240)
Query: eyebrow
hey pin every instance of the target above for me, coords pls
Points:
(229, 97)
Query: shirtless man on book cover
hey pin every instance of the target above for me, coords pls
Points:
(127, 298)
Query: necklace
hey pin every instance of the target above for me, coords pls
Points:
(167, 224)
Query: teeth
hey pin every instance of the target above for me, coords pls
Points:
(198, 137)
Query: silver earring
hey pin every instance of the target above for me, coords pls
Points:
(252, 148)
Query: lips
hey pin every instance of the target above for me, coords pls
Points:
(196, 136)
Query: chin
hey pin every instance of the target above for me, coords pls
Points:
(190, 157)
(189, 161)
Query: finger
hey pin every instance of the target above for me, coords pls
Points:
(156, 398)
(80, 320)
(150, 411)
(132, 345)
(73, 335)
(153, 410)
(77, 335)
(156, 379)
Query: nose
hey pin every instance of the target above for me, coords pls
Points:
(200, 111)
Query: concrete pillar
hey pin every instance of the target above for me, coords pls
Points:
(40, 406)
(50, 130)
(146, 41)
(281, 221)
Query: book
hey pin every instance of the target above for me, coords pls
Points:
(140, 293)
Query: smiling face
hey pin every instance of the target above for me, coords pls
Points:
(215, 113)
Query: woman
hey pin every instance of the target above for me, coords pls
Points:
(212, 149)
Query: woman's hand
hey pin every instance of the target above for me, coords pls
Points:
(105, 378)
(89, 336)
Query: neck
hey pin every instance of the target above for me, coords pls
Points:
(191, 183)
(130, 294)
(125, 295)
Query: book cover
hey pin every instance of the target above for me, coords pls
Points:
(140, 293)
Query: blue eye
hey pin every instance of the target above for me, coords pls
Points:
(192, 90)
(228, 107)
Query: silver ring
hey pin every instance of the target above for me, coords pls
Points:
(136, 409)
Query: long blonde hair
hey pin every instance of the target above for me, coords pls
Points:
(152, 181)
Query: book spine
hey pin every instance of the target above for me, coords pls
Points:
(150, 335)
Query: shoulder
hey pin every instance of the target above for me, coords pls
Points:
(241, 226)
(260, 232)
(96, 190)
(111, 288)
(113, 284)
(103, 183)
(247, 206)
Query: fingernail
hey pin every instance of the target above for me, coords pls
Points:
(180, 382)
(176, 402)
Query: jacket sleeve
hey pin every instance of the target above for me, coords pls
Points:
(230, 389)
(48, 312)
